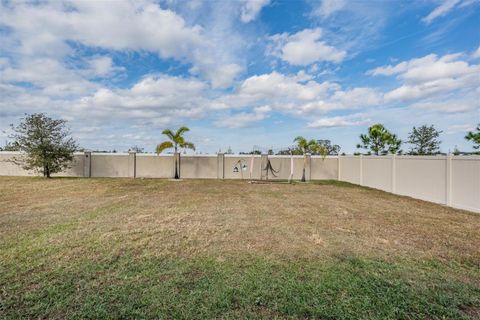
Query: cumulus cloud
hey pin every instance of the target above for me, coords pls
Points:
(49, 76)
(430, 75)
(304, 48)
(153, 98)
(46, 29)
(251, 8)
(293, 95)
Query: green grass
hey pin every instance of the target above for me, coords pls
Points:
(128, 286)
(136, 249)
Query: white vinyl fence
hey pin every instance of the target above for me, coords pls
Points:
(448, 180)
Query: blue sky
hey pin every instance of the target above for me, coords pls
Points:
(242, 73)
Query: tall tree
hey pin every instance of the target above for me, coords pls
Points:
(46, 143)
(379, 140)
(424, 140)
(176, 141)
(474, 136)
(305, 146)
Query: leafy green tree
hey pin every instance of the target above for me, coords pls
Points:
(46, 143)
(474, 136)
(331, 149)
(379, 140)
(306, 146)
(176, 141)
(424, 140)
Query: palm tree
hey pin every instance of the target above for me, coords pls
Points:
(305, 146)
(176, 141)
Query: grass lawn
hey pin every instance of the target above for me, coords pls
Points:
(125, 248)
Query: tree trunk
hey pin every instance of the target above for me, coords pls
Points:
(176, 167)
(304, 165)
(47, 171)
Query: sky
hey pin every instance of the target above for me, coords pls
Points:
(241, 74)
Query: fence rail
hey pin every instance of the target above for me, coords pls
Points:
(448, 180)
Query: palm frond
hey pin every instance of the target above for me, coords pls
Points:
(299, 138)
(188, 145)
(162, 146)
(169, 133)
(181, 131)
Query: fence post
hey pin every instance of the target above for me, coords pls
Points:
(308, 167)
(448, 180)
(361, 169)
(338, 168)
(132, 164)
(394, 173)
(263, 165)
(87, 165)
(221, 166)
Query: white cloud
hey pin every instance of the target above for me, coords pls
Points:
(441, 10)
(44, 29)
(293, 95)
(49, 76)
(153, 101)
(102, 66)
(305, 47)
(251, 8)
(329, 7)
(446, 7)
(244, 119)
(339, 121)
(275, 85)
(430, 75)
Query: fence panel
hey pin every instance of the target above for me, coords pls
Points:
(153, 166)
(109, 165)
(465, 183)
(198, 167)
(377, 172)
(350, 169)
